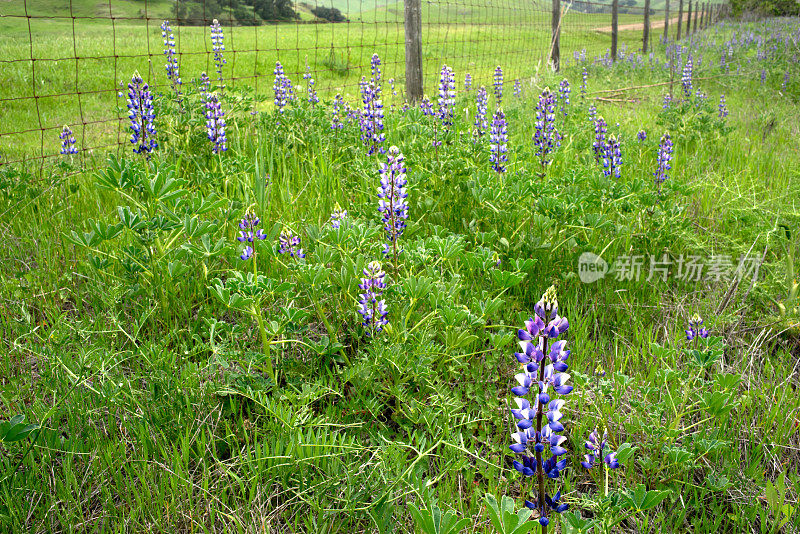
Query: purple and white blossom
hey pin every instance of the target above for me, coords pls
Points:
(215, 124)
(337, 216)
(281, 87)
(686, 77)
(498, 142)
(696, 329)
(218, 47)
(289, 243)
(596, 446)
(498, 86)
(142, 116)
(481, 109)
(723, 108)
(611, 157)
(248, 233)
(172, 68)
(563, 95)
(393, 204)
(67, 141)
(370, 304)
(467, 81)
(337, 107)
(311, 92)
(546, 138)
(600, 130)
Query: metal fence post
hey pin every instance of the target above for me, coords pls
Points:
(646, 30)
(413, 30)
(614, 28)
(680, 19)
(666, 21)
(689, 20)
(555, 52)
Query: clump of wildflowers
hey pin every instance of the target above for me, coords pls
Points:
(538, 419)
(546, 138)
(686, 77)
(281, 87)
(563, 93)
(642, 135)
(313, 99)
(338, 105)
(498, 142)
(142, 116)
(481, 107)
(248, 233)
(392, 193)
(612, 157)
(215, 124)
(696, 329)
(663, 158)
(337, 216)
(467, 81)
(67, 141)
(217, 47)
(289, 243)
(498, 86)
(173, 71)
(370, 304)
(723, 107)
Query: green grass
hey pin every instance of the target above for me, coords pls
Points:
(152, 388)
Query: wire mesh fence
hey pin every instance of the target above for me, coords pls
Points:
(69, 63)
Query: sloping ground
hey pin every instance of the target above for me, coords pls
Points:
(640, 25)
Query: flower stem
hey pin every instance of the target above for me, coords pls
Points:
(539, 463)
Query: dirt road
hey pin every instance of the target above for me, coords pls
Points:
(640, 25)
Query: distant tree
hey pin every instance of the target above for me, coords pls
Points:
(331, 14)
(766, 7)
(274, 10)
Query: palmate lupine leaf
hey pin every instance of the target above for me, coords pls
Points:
(503, 518)
(432, 521)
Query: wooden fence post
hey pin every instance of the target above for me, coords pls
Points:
(689, 20)
(697, 8)
(413, 30)
(646, 31)
(702, 15)
(680, 19)
(614, 28)
(555, 52)
(666, 21)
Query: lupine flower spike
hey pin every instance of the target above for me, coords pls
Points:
(447, 96)
(600, 130)
(67, 141)
(290, 244)
(723, 107)
(696, 329)
(467, 81)
(313, 99)
(612, 157)
(498, 86)
(371, 120)
(218, 47)
(280, 87)
(481, 106)
(215, 124)
(142, 116)
(642, 135)
(337, 216)
(538, 417)
(686, 78)
(338, 105)
(563, 95)
(392, 205)
(248, 233)
(517, 88)
(173, 71)
(498, 142)
(596, 447)
(370, 304)
(663, 159)
(546, 138)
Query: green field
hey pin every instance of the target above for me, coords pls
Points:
(75, 92)
(171, 386)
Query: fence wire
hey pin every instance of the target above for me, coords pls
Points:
(70, 65)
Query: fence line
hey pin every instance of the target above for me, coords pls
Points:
(70, 65)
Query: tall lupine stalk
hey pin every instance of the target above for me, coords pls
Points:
(142, 116)
(370, 304)
(538, 419)
(546, 138)
(467, 81)
(279, 88)
(215, 124)
(337, 108)
(611, 157)
(600, 130)
(596, 447)
(481, 109)
(67, 141)
(563, 95)
(218, 47)
(371, 119)
(375, 69)
(204, 86)
(584, 78)
(393, 205)
(785, 82)
(447, 101)
(498, 142)
(498, 86)
(311, 91)
(663, 158)
(172, 67)
(666, 102)
(686, 77)
(248, 233)
(723, 107)
(592, 112)
(517, 88)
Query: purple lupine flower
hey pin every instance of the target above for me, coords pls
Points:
(338, 105)
(173, 70)
(279, 88)
(585, 76)
(696, 328)
(447, 96)
(686, 77)
(375, 66)
(370, 305)
(596, 445)
(612, 157)
(290, 244)
(337, 216)
(592, 112)
(563, 95)
(600, 130)
(371, 120)
(498, 86)
(248, 233)
(498, 142)
(313, 99)
(67, 141)
(467, 81)
(204, 86)
(215, 124)
(663, 159)
(542, 367)
(392, 193)
(667, 102)
(785, 82)
(546, 138)
(426, 106)
(517, 88)
(642, 135)
(763, 76)
(391, 84)
(142, 116)
(723, 108)
(217, 47)
(481, 107)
